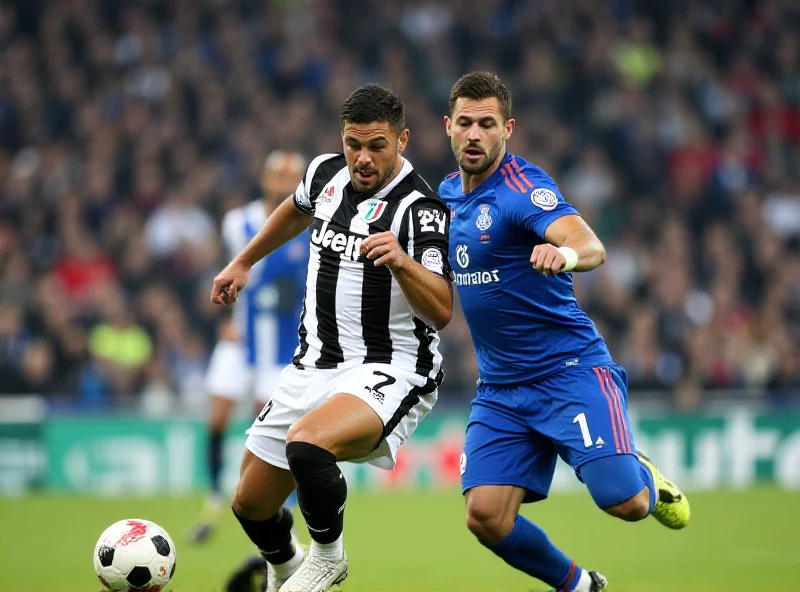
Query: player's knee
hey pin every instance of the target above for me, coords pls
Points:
(303, 431)
(488, 524)
(217, 424)
(634, 509)
(220, 414)
(245, 506)
(312, 467)
(616, 486)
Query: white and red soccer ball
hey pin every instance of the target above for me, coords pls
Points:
(134, 555)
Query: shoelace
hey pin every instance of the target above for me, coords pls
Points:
(313, 571)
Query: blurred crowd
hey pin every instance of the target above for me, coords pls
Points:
(128, 128)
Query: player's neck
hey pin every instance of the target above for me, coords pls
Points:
(470, 183)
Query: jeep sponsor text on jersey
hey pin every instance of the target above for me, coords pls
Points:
(349, 245)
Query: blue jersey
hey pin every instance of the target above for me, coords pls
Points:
(524, 325)
(268, 314)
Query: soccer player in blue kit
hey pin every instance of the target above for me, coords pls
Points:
(548, 386)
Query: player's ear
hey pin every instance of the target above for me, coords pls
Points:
(509, 128)
(402, 140)
(447, 124)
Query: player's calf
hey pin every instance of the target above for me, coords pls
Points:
(321, 490)
(257, 504)
(621, 486)
(492, 517)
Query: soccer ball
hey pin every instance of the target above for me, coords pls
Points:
(134, 555)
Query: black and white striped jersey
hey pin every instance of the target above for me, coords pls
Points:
(353, 311)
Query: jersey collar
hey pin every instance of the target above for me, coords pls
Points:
(405, 170)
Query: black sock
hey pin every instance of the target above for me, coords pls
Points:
(321, 490)
(272, 536)
(214, 459)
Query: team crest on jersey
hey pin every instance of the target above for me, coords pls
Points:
(544, 198)
(432, 260)
(375, 208)
(484, 220)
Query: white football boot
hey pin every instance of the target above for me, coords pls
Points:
(317, 575)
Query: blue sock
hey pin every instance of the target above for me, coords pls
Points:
(528, 549)
(647, 477)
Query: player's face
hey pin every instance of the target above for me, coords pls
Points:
(477, 133)
(373, 153)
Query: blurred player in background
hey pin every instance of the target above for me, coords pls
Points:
(260, 338)
(548, 386)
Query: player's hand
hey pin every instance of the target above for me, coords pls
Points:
(229, 282)
(383, 249)
(547, 259)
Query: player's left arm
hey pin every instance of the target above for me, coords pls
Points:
(423, 272)
(571, 246)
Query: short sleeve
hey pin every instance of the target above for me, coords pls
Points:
(539, 208)
(302, 199)
(319, 172)
(428, 236)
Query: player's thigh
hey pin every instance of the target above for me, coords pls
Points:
(362, 405)
(501, 449)
(343, 425)
(267, 435)
(262, 488)
(587, 414)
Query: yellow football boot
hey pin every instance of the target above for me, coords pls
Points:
(672, 508)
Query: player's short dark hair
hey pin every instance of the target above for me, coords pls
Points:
(482, 85)
(373, 102)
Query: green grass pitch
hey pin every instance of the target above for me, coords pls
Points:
(416, 542)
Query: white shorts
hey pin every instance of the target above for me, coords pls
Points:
(230, 376)
(401, 399)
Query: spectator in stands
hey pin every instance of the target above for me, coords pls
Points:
(128, 128)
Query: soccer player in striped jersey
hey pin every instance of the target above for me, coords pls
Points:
(548, 386)
(260, 338)
(367, 368)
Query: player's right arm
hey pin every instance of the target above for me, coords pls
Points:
(285, 223)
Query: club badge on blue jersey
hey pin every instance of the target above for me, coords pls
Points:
(484, 220)
(544, 198)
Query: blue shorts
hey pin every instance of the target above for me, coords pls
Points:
(515, 433)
